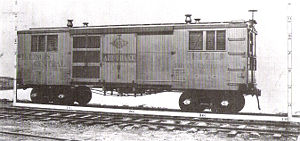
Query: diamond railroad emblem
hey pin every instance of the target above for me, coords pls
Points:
(119, 43)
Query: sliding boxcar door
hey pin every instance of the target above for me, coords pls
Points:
(155, 59)
(119, 58)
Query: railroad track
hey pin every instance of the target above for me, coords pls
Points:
(231, 127)
(141, 107)
(34, 137)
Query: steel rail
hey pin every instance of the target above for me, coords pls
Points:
(35, 136)
(174, 110)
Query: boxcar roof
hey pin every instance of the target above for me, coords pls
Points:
(135, 28)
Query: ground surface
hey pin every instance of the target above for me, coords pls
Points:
(113, 133)
(80, 131)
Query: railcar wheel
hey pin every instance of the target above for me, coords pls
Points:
(63, 97)
(83, 95)
(239, 103)
(37, 95)
(190, 102)
(186, 102)
(228, 103)
(222, 103)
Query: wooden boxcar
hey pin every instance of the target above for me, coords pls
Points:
(212, 63)
(6, 83)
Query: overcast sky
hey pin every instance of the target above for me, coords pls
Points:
(271, 18)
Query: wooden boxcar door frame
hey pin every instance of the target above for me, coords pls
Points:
(91, 61)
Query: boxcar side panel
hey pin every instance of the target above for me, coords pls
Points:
(119, 58)
(217, 69)
(45, 58)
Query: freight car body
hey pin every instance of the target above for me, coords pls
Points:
(213, 64)
(6, 83)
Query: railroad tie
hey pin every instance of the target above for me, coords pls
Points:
(224, 127)
(263, 127)
(232, 133)
(139, 120)
(171, 128)
(168, 122)
(184, 122)
(241, 126)
(55, 115)
(29, 113)
(107, 119)
(45, 119)
(281, 129)
(64, 120)
(154, 121)
(86, 116)
(254, 135)
(126, 119)
(3, 116)
(213, 131)
(75, 121)
(29, 117)
(71, 115)
(192, 130)
(136, 126)
(13, 116)
(95, 117)
(41, 113)
(123, 125)
(277, 136)
(109, 124)
(153, 127)
(201, 124)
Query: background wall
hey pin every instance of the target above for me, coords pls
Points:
(271, 18)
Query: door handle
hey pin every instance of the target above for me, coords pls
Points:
(173, 52)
